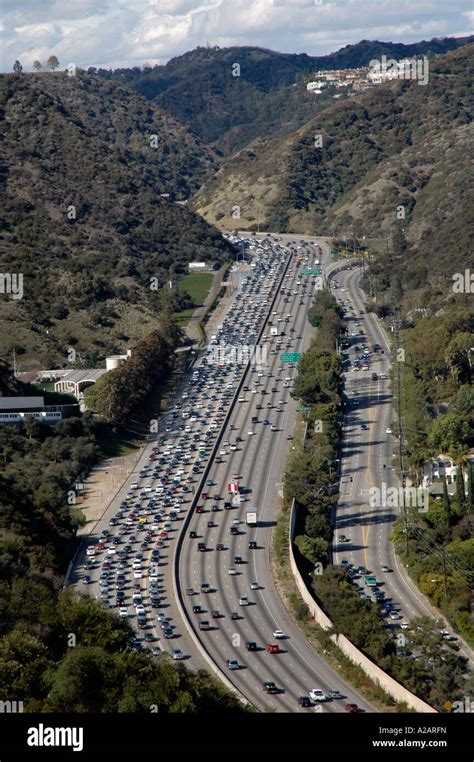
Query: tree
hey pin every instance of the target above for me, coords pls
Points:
(460, 495)
(17, 67)
(312, 548)
(446, 504)
(37, 65)
(52, 63)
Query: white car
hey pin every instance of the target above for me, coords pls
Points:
(137, 574)
(385, 568)
(232, 570)
(279, 634)
(317, 695)
(243, 600)
(123, 611)
(404, 625)
(254, 586)
(140, 608)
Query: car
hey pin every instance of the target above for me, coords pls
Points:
(192, 535)
(270, 687)
(177, 654)
(385, 568)
(149, 637)
(317, 695)
(123, 611)
(205, 587)
(190, 591)
(404, 625)
(232, 570)
(235, 615)
(273, 648)
(86, 580)
(279, 635)
(253, 545)
(254, 586)
(215, 614)
(352, 708)
(243, 600)
(233, 664)
(394, 615)
(335, 694)
(251, 645)
(304, 701)
(168, 633)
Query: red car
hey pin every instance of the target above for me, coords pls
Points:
(204, 495)
(164, 535)
(199, 509)
(352, 708)
(272, 648)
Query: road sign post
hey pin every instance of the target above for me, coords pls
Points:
(291, 356)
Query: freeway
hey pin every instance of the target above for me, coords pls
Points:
(362, 533)
(128, 561)
(146, 515)
(253, 455)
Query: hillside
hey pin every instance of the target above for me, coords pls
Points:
(83, 220)
(395, 145)
(268, 98)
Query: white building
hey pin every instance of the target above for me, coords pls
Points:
(194, 266)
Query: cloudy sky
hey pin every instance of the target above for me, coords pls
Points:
(113, 33)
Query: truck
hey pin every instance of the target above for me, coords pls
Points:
(251, 518)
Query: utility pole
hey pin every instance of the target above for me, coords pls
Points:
(401, 454)
(445, 584)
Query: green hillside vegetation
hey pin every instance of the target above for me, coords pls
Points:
(267, 98)
(83, 219)
(438, 416)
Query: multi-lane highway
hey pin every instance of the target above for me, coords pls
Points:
(128, 561)
(253, 454)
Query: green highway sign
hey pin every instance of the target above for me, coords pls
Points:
(312, 271)
(291, 357)
(303, 409)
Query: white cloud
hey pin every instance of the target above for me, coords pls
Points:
(129, 32)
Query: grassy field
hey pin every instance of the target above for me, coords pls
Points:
(198, 286)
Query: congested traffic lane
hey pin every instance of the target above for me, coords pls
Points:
(257, 465)
(151, 505)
